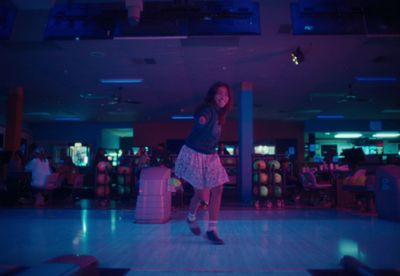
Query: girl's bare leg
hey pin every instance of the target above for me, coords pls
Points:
(215, 204)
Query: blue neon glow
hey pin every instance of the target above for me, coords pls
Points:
(182, 117)
(330, 117)
(67, 119)
(372, 78)
(121, 80)
(308, 28)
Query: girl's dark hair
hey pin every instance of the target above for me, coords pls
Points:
(209, 100)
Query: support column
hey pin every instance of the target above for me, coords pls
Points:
(246, 141)
(14, 119)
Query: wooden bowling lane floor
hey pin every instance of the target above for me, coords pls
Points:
(257, 242)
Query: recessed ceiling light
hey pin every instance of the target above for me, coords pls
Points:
(179, 117)
(386, 135)
(36, 114)
(67, 118)
(107, 81)
(376, 78)
(310, 111)
(348, 135)
(391, 110)
(330, 117)
(97, 54)
(91, 96)
(149, 37)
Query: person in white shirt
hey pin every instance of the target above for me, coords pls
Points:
(40, 168)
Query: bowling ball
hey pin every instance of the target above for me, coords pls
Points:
(255, 178)
(102, 191)
(259, 165)
(263, 191)
(230, 161)
(278, 191)
(263, 178)
(277, 178)
(103, 166)
(121, 189)
(124, 170)
(102, 179)
(176, 182)
(255, 165)
(121, 180)
(274, 164)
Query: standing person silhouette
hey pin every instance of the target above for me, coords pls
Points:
(198, 162)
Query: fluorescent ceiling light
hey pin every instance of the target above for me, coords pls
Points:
(149, 37)
(391, 111)
(182, 117)
(36, 114)
(330, 117)
(386, 135)
(348, 135)
(310, 111)
(121, 80)
(67, 119)
(375, 78)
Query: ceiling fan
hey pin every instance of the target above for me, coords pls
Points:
(118, 99)
(349, 96)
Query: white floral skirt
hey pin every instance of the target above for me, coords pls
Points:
(199, 169)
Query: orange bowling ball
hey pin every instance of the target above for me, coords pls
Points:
(103, 191)
(124, 170)
(102, 179)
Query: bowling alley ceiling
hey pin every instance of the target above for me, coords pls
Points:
(87, 60)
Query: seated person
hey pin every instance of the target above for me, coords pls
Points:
(142, 161)
(100, 157)
(125, 159)
(40, 168)
(160, 157)
(101, 162)
(68, 169)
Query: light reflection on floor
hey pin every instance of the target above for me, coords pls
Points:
(256, 240)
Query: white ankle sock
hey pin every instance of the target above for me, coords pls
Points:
(191, 217)
(212, 225)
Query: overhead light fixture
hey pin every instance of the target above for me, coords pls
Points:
(150, 37)
(67, 118)
(297, 56)
(386, 135)
(393, 110)
(376, 78)
(348, 135)
(310, 111)
(36, 114)
(107, 81)
(330, 116)
(178, 117)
